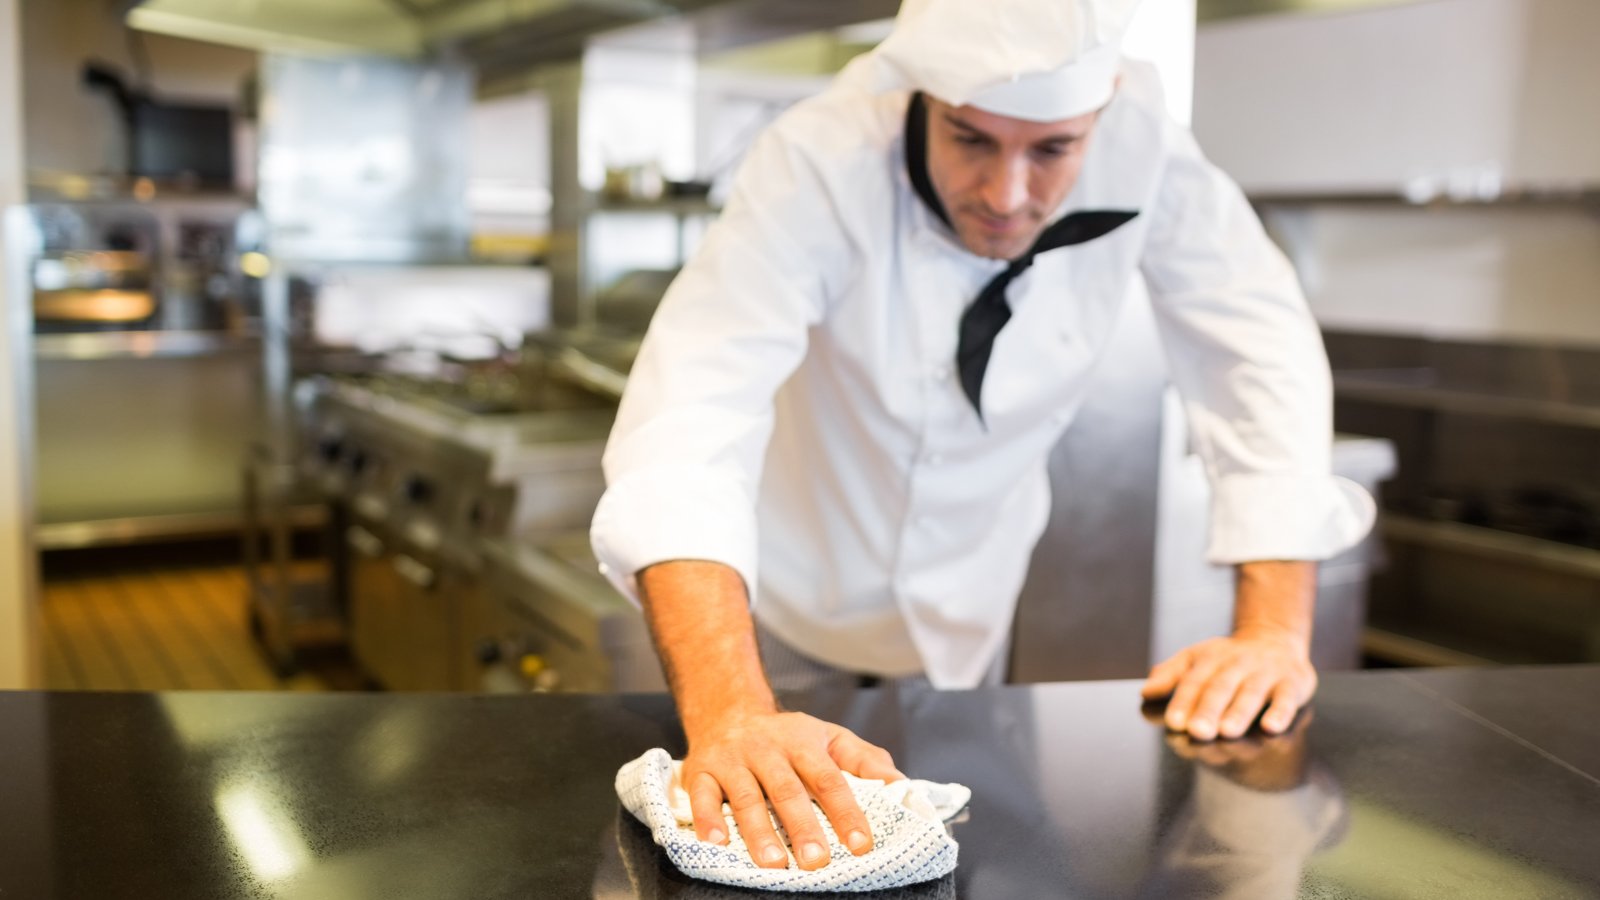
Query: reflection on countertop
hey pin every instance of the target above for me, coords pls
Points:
(1395, 785)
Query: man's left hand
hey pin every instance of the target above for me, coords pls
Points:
(1218, 687)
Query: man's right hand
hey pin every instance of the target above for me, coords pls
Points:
(787, 758)
(742, 748)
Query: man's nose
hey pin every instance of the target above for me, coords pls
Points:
(1005, 191)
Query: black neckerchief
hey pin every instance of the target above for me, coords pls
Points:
(983, 320)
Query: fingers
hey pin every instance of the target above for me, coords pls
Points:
(1164, 677)
(862, 759)
(1286, 701)
(792, 803)
(1211, 699)
(827, 784)
(1247, 704)
(1181, 707)
(1223, 684)
(776, 765)
(749, 807)
(705, 799)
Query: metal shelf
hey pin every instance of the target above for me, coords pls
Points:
(141, 345)
(678, 206)
(149, 529)
(1440, 399)
(1514, 197)
(1409, 650)
(1487, 543)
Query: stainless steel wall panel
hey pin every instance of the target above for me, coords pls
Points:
(1086, 610)
(362, 159)
(128, 437)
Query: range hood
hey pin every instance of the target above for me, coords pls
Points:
(403, 28)
(309, 26)
(494, 35)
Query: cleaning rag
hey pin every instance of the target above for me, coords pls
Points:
(911, 844)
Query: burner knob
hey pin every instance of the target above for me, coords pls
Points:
(330, 449)
(539, 674)
(488, 651)
(418, 490)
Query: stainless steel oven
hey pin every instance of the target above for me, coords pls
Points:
(424, 489)
(548, 621)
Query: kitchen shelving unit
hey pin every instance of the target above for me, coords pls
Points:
(1482, 594)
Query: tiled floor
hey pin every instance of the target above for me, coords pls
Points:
(163, 628)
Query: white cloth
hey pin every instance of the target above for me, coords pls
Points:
(793, 412)
(910, 842)
(1044, 60)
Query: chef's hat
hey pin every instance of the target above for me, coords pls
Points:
(1042, 60)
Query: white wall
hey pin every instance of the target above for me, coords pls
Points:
(19, 659)
(508, 180)
(1163, 33)
(1436, 96)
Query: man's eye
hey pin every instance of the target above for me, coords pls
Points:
(1051, 151)
(971, 140)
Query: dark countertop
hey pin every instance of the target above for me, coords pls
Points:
(1449, 784)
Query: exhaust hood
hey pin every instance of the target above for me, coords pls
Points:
(310, 26)
(496, 36)
(403, 28)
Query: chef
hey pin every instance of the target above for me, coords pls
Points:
(832, 449)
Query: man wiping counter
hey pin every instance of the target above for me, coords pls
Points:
(832, 450)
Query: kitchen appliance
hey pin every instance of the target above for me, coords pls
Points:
(183, 143)
(422, 484)
(96, 270)
(144, 370)
(1492, 532)
(548, 621)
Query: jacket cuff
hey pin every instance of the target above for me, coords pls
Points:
(1287, 517)
(661, 514)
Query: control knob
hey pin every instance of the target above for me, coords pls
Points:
(418, 490)
(488, 651)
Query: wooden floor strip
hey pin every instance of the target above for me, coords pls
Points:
(194, 652)
(148, 665)
(231, 582)
(165, 629)
(232, 651)
(62, 671)
(220, 614)
(102, 665)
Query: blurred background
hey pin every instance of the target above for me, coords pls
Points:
(317, 314)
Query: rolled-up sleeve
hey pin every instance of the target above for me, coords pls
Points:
(1248, 361)
(683, 463)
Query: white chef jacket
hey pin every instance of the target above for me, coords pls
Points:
(794, 411)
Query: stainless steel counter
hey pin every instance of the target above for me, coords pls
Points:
(142, 345)
(141, 434)
(1433, 785)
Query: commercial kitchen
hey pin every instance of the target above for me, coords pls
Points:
(318, 316)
